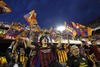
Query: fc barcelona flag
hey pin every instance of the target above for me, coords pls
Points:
(77, 28)
(31, 18)
(15, 30)
(4, 8)
(86, 32)
(70, 30)
(82, 30)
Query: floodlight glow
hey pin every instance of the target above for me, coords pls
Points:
(61, 28)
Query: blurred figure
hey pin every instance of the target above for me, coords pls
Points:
(96, 50)
(33, 60)
(23, 58)
(15, 61)
(3, 61)
(20, 46)
(9, 53)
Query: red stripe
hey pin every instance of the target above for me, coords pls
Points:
(46, 61)
(49, 57)
(41, 59)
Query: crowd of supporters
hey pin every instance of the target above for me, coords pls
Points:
(25, 53)
(45, 53)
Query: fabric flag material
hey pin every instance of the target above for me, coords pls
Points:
(31, 18)
(77, 28)
(89, 31)
(82, 30)
(74, 25)
(4, 8)
(15, 30)
(71, 30)
(85, 31)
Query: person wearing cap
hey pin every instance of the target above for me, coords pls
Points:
(77, 59)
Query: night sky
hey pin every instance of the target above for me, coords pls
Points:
(53, 12)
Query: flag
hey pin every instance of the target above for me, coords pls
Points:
(84, 31)
(31, 18)
(77, 28)
(74, 25)
(70, 30)
(15, 30)
(80, 25)
(89, 31)
(4, 8)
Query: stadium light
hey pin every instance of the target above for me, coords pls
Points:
(61, 28)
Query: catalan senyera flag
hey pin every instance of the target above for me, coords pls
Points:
(4, 8)
(31, 18)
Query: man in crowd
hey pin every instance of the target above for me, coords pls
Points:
(77, 60)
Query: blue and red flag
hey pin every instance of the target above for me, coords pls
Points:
(15, 30)
(70, 30)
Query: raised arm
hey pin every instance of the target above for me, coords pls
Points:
(25, 43)
(59, 42)
(15, 46)
(29, 44)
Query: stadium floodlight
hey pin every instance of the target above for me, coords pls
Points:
(61, 28)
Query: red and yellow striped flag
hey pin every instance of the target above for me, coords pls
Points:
(31, 18)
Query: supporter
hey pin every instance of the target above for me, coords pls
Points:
(23, 57)
(9, 53)
(77, 60)
(62, 54)
(96, 50)
(20, 46)
(15, 61)
(33, 60)
(46, 53)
